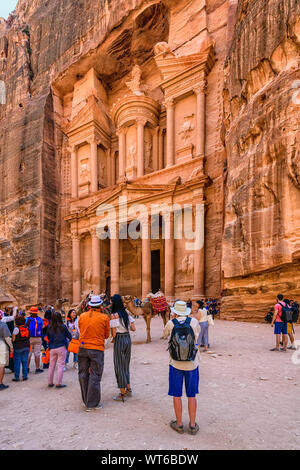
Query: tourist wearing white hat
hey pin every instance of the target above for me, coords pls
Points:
(94, 330)
(184, 332)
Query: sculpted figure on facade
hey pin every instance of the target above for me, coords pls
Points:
(186, 129)
(162, 48)
(148, 150)
(84, 172)
(131, 155)
(135, 84)
(187, 264)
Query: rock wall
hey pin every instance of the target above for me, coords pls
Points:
(261, 239)
(252, 146)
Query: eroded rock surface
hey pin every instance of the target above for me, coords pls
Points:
(49, 49)
(261, 240)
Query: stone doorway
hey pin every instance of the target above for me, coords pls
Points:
(155, 271)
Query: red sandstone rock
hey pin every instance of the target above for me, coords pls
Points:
(66, 65)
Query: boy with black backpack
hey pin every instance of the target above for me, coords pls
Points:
(184, 332)
(35, 325)
(280, 320)
(290, 326)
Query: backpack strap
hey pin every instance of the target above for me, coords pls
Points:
(175, 322)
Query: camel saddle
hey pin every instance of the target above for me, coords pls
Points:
(159, 305)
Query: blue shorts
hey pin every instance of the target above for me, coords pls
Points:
(191, 378)
(280, 327)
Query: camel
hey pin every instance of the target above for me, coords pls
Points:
(146, 311)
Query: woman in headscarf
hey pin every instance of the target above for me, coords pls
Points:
(121, 322)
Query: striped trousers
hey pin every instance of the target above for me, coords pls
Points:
(122, 355)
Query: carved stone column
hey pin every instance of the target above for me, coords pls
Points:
(161, 149)
(199, 252)
(146, 257)
(169, 260)
(76, 269)
(94, 166)
(115, 265)
(74, 172)
(200, 118)
(96, 261)
(140, 146)
(156, 149)
(108, 166)
(122, 153)
(113, 168)
(170, 106)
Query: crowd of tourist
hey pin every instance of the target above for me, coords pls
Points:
(51, 337)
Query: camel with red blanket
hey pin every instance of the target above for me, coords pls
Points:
(154, 304)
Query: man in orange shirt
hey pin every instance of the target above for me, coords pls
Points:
(94, 330)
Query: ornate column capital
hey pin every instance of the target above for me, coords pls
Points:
(141, 121)
(169, 102)
(75, 237)
(72, 148)
(121, 131)
(200, 87)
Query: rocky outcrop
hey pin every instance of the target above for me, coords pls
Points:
(252, 203)
(261, 239)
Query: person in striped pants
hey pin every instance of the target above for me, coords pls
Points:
(121, 323)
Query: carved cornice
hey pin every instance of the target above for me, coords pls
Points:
(131, 108)
(181, 74)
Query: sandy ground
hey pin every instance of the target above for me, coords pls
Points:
(249, 399)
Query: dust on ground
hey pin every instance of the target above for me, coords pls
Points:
(249, 399)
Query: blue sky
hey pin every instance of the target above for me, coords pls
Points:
(6, 6)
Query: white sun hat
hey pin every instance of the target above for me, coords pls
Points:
(95, 301)
(180, 308)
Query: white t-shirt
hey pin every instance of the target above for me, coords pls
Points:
(183, 365)
(118, 324)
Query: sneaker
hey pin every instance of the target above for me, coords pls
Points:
(60, 386)
(99, 407)
(16, 380)
(75, 365)
(193, 429)
(174, 425)
(120, 397)
(128, 393)
(25, 378)
(39, 371)
(3, 387)
(274, 349)
(50, 385)
(292, 347)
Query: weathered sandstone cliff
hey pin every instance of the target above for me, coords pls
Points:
(261, 239)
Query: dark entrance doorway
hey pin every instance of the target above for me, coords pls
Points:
(155, 270)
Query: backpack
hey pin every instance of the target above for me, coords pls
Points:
(269, 317)
(35, 327)
(286, 314)
(182, 342)
(295, 310)
(24, 331)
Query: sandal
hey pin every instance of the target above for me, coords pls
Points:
(274, 349)
(193, 429)
(120, 397)
(174, 425)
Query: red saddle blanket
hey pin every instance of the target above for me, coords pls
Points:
(159, 305)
